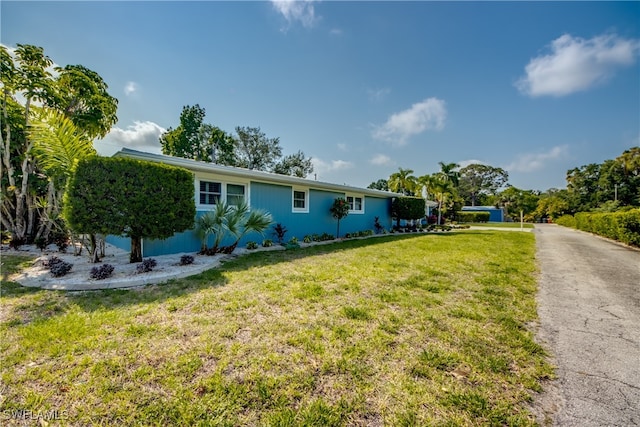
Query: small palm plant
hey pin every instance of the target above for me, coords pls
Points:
(213, 223)
(242, 221)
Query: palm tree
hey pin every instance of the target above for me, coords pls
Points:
(448, 170)
(213, 222)
(58, 145)
(441, 187)
(402, 182)
(241, 221)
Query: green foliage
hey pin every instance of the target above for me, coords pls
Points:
(381, 184)
(252, 245)
(255, 150)
(621, 226)
(130, 198)
(339, 209)
(466, 216)
(407, 208)
(294, 165)
(566, 221)
(403, 182)
(478, 179)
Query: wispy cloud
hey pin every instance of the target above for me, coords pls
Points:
(143, 136)
(342, 147)
(325, 168)
(293, 11)
(429, 114)
(576, 64)
(130, 88)
(530, 162)
(377, 95)
(335, 32)
(381, 160)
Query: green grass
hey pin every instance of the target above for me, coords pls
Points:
(501, 224)
(398, 330)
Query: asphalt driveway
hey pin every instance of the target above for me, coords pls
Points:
(589, 308)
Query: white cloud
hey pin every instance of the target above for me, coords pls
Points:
(130, 88)
(324, 169)
(342, 147)
(576, 64)
(426, 115)
(296, 10)
(529, 162)
(377, 95)
(144, 136)
(335, 32)
(381, 160)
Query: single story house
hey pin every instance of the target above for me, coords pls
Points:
(301, 205)
(495, 214)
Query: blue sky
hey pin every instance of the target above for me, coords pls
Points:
(364, 88)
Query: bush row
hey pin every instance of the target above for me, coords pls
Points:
(468, 216)
(621, 226)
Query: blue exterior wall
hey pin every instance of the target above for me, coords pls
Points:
(495, 214)
(277, 199)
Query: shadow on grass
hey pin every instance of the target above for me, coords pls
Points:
(48, 303)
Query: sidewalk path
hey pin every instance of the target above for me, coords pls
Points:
(589, 308)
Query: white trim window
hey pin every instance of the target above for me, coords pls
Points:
(356, 203)
(235, 194)
(300, 200)
(210, 192)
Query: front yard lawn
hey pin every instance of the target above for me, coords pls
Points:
(399, 330)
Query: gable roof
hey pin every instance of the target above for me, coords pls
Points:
(254, 175)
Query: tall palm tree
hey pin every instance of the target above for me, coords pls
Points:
(450, 172)
(441, 188)
(402, 182)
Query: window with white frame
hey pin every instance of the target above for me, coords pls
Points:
(210, 192)
(356, 203)
(235, 194)
(300, 200)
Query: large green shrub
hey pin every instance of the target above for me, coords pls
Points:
(469, 216)
(407, 208)
(621, 226)
(566, 221)
(127, 197)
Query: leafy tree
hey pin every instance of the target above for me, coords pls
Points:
(131, 198)
(381, 184)
(410, 208)
(217, 146)
(185, 141)
(478, 179)
(339, 209)
(403, 182)
(255, 150)
(553, 204)
(81, 94)
(294, 165)
(31, 78)
(76, 92)
(515, 200)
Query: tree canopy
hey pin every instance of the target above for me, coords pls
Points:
(249, 148)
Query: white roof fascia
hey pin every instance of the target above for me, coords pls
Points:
(255, 175)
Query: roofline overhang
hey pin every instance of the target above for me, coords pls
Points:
(260, 176)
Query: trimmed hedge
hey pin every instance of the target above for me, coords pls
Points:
(566, 221)
(621, 226)
(471, 216)
(407, 208)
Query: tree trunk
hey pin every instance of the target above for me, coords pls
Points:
(136, 250)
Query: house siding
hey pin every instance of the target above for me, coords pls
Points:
(275, 198)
